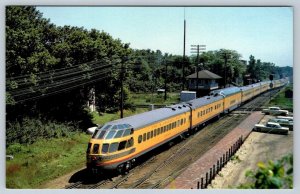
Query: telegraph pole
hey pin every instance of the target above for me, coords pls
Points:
(226, 56)
(197, 49)
(166, 71)
(183, 58)
(124, 59)
(121, 77)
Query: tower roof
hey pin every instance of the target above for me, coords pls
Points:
(204, 74)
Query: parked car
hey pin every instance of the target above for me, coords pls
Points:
(283, 122)
(284, 117)
(275, 111)
(271, 127)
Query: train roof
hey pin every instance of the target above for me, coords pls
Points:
(147, 118)
(203, 101)
(226, 91)
(244, 88)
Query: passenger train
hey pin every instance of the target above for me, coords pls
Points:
(118, 144)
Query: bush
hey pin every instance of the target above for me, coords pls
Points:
(29, 130)
(274, 175)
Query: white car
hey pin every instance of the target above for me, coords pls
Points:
(271, 127)
(274, 110)
(284, 117)
(283, 122)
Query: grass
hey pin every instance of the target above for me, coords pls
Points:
(44, 160)
(149, 98)
(282, 101)
(106, 117)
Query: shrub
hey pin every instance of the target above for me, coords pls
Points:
(274, 175)
(29, 130)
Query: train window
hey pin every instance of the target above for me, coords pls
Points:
(115, 127)
(162, 130)
(158, 131)
(95, 133)
(181, 121)
(211, 108)
(101, 135)
(119, 133)
(170, 126)
(110, 134)
(96, 149)
(174, 124)
(165, 128)
(122, 145)
(144, 137)
(89, 148)
(129, 143)
(105, 148)
(151, 134)
(113, 147)
(120, 127)
(154, 133)
(140, 139)
(148, 135)
(184, 120)
(106, 127)
(127, 132)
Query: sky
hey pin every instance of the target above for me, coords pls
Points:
(264, 32)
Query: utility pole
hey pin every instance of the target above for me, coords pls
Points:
(183, 58)
(124, 59)
(166, 73)
(226, 56)
(197, 49)
(122, 97)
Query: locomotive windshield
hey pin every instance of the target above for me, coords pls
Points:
(113, 131)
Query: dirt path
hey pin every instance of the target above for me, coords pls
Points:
(257, 147)
(60, 182)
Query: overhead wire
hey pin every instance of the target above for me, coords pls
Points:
(59, 91)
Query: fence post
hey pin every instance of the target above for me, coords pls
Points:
(210, 175)
(206, 180)
(218, 166)
(214, 170)
(198, 185)
(226, 156)
(201, 182)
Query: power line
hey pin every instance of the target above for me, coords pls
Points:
(72, 80)
(61, 90)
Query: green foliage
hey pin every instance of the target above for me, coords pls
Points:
(274, 175)
(44, 160)
(282, 101)
(29, 131)
(259, 70)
